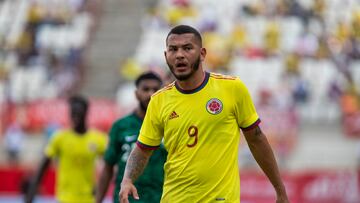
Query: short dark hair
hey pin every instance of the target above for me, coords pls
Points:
(147, 76)
(78, 99)
(184, 29)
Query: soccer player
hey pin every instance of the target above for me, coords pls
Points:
(123, 136)
(198, 117)
(76, 150)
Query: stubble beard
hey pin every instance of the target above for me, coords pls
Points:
(194, 68)
(144, 105)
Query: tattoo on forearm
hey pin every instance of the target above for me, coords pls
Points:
(257, 131)
(136, 165)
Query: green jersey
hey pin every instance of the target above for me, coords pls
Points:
(123, 137)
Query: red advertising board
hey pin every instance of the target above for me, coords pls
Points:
(102, 114)
(329, 187)
(256, 188)
(307, 187)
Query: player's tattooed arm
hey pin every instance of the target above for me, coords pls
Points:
(253, 134)
(257, 131)
(136, 163)
(264, 156)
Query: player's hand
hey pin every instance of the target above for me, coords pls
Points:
(127, 188)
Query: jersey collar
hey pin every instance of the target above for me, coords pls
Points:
(206, 79)
(137, 117)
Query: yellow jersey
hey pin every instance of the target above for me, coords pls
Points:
(75, 180)
(200, 131)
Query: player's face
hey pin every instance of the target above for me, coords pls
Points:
(184, 55)
(78, 114)
(144, 91)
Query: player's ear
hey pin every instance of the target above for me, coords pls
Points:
(202, 53)
(137, 94)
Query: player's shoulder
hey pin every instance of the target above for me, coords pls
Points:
(124, 121)
(231, 81)
(219, 76)
(96, 136)
(62, 133)
(165, 89)
(96, 133)
(225, 79)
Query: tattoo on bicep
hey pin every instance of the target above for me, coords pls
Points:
(257, 131)
(136, 165)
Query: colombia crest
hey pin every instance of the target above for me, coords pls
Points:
(214, 106)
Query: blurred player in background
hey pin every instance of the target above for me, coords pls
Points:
(76, 150)
(123, 137)
(198, 118)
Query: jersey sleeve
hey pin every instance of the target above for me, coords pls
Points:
(102, 141)
(247, 117)
(53, 146)
(112, 152)
(152, 130)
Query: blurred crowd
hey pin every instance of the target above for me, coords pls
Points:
(305, 38)
(293, 32)
(41, 47)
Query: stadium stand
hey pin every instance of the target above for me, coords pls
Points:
(299, 59)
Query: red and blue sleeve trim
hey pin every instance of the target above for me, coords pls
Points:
(146, 147)
(252, 126)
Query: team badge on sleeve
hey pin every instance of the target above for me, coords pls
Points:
(214, 106)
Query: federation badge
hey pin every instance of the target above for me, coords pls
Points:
(214, 106)
(92, 147)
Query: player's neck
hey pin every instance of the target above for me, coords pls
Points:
(139, 112)
(193, 82)
(81, 129)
